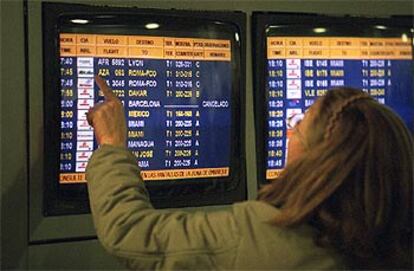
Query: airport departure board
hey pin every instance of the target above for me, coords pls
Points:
(300, 69)
(180, 75)
(176, 94)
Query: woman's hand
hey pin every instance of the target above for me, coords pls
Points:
(108, 118)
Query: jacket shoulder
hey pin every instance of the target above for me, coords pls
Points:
(265, 245)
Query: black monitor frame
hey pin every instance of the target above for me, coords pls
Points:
(65, 199)
(352, 26)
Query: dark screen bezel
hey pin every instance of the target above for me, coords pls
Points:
(344, 26)
(63, 199)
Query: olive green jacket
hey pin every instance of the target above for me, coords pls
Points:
(239, 237)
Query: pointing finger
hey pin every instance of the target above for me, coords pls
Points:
(91, 113)
(89, 117)
(106, 90)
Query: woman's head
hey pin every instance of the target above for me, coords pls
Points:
(352, 178)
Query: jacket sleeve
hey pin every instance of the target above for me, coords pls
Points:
(130, 228)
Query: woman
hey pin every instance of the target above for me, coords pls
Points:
(351, 178)
(344, 200)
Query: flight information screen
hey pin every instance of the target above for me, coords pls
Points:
(176, 94)
(300, 69)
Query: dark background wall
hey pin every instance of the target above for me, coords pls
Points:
(13, 202)
(21, 103)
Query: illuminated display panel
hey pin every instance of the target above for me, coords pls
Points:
(177, 98)
(303, 63)
(301, 69)
(182, 86)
